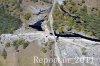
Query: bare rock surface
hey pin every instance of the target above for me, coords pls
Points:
(68, 47)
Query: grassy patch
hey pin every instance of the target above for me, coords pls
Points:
(27, 16)
(8, 23)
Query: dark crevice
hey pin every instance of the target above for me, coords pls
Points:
(37, 25)
(76, 35)
(72, 15)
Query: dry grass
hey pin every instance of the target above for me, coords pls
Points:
(2, 61)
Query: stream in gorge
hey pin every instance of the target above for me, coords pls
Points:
(57, 52)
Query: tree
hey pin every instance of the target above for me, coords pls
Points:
(83, 1)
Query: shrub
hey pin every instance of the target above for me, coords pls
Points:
(43, 50)
(25, 45)
(83, 1)
(4, 54)
(7, 44)
(27, 16)
(19, 42)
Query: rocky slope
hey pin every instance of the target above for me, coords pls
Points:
(19, 49)
(68, 48)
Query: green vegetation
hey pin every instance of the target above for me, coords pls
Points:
(42, 64)
(59, 20)
(35, 0)
(71, 6)
(7, 44)
(89, 23)
(11, 7)
(27, 16)
(9, 21)
(47, 46)
(43, 50)
(4, 54)
(25, 45)
(83, 1)
(47, 1)
(19, 42)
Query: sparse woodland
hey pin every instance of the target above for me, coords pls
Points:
(83, 20)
